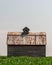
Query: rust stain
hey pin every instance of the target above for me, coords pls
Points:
(15, 38)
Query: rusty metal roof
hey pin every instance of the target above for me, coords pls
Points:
(30, 33)
(15, 38)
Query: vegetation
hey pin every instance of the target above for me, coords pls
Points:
(25, 60)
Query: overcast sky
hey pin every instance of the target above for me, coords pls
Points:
(16, 14)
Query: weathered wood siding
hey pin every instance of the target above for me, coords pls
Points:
(33, 44)
(24, 50)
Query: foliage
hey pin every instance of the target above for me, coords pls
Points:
(25, 60)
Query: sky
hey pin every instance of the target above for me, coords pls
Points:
(16, 14)
(35, 14)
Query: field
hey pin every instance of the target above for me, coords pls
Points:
(24, 60)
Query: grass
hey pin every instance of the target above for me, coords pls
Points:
(24, 60)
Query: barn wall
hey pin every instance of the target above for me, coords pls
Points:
(27, 50)
(3, 45)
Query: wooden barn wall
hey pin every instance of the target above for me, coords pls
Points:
(25, 50)
(33, 44)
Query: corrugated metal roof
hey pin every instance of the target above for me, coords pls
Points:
(15, 38)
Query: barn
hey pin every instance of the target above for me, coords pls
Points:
(32, 44)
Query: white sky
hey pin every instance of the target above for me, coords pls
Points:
(35, 14)
(16, 14)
